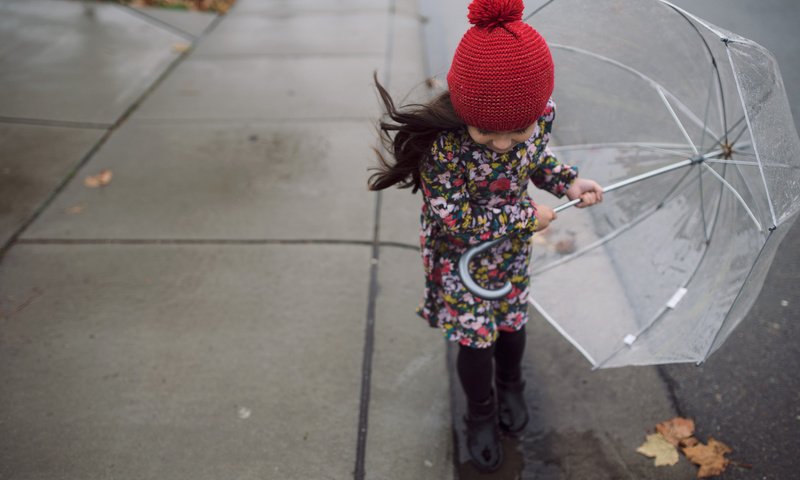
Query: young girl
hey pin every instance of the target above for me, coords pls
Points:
(472, 151)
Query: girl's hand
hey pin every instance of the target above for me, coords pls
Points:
(589, 191)
(544, 215)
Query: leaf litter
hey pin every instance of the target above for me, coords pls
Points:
(218, 6)
(656, 446)
(99, 180)
(677, 435)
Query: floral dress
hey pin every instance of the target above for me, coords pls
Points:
(473, 195)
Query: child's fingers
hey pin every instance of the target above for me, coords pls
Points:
(587, 199)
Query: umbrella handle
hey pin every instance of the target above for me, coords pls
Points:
(472, 286)
(486, 294)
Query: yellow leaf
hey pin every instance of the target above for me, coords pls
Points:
(663, 451)
(181, 47)
(100, 180)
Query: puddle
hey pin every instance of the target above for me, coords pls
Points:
(569, 455)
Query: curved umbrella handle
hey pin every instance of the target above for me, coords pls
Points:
(486, 294)
(472, 286)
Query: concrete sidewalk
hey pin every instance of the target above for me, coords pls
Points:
(213, 312)
(235, 303)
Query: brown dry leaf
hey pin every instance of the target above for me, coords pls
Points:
(663, 451)
(676, 430)
(222, 6)
(689, 442)
(566, 246)
(100, 180)
(219, 6)
(710, 458)
(181, 47)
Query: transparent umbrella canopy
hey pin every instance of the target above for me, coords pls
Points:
(666, 267)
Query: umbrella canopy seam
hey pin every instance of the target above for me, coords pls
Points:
(752, 136)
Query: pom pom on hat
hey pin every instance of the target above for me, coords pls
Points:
(493, 13)
(502, 73)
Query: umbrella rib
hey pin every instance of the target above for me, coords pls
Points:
(681, 106)
(740, 163)
(678, 120)
(734, 162)
(738, 294)
(724, 136)
(668, 148)
(638, 334)
(739, 173)
(735, 194)
(703, 205)
(738, 136)
(752, 138)
(720, 94)
(666, 307)
(714, 221)
(537, 10)
(560, 330)
(622, 229)
(708, 104)
(730, 161)
(597, 243)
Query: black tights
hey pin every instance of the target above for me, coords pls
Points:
(474, 365)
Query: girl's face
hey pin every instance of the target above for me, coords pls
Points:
(500, 142)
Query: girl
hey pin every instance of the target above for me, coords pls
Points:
(472, 151)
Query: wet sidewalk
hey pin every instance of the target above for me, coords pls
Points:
(235, 303)
(214, 311)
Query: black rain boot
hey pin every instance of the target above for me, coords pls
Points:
(483, 436)
(513, 411)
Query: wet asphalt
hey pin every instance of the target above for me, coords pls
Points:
(747, 394)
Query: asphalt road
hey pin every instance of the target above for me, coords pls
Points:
(748, 393)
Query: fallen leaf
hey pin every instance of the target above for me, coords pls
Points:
(676, 430)
(689, 442)
(181, 47)
(100, 180)
(565, 246)
(75, 209)
(219, 6)
(663, 451)
(710, 458)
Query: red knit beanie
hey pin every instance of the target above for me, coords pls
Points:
(502, 72)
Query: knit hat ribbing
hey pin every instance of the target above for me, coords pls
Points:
(502, 72)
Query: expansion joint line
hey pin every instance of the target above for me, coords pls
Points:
(359, 472)
(102, 141)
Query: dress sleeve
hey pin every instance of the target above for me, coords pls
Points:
(550, 174)
(444, 188)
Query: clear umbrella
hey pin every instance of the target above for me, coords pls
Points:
(666, 267)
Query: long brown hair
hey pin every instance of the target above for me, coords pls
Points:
(408, 137)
